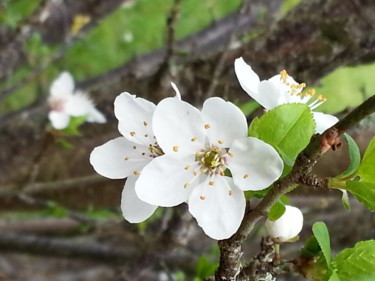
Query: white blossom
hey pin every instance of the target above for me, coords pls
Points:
(278, 90)
(199, 147)
(65, 102)
(288, 226)
(127, 155)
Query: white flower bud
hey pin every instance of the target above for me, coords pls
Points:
(288, 226)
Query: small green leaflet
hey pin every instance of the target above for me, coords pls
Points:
(367, 168)
(363, 191)
(288, 128)
(334, 277)
(358, 263)
(322, 236)
(355, 157)
(276, 211)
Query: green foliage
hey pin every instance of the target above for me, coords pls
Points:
(15, 11)
(355, 157)
(357, 263)
(249, 107)
(204, 269)
(74, 124)
(322, 236)
(276, 211)
(311, 248)
(363, 191)
(288, 128)
(367, 168)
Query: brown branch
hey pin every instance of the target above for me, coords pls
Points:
(9, 191)
(231, 249)
(26, 243)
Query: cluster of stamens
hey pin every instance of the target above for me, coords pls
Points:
(296, 89)
(211, 161)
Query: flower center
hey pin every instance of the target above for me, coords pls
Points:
(211, 161)
(155, 150)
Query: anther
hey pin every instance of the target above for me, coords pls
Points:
(202, 197)
(145, 123)
(211, 183)
(245, 176)
(207, 126)
(146, 135)
(136, 173)
(230, 192)
(220, 141)
(186, 185)
(134, 147)
(175, 148)
(222, 173)
(126, 158)
(132, 134)
(230, 154)
(187, 167)
(194, 139)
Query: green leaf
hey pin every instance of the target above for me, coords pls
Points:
(322, 236)
(345, 199)
(204, 268)
(311, 248)
(363, 191)
(367, 168)
(248, 107)
(357, 263)
(74, 123)
(334, 277)
(288, 128)
(355, 157)
(276, 211)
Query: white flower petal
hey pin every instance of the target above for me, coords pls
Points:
(135, 118)
(78, 104)
(178, 127)
(59, 120)
(288, 226)
(218, 208)
(248, 79)
(269, 95)
(254, 164)
(324, 121)
(63, 85)
(226, 121)
(165, 180)
(119, 158)
(133, 209)
(95, 116)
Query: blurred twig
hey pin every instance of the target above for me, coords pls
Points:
(10, 191)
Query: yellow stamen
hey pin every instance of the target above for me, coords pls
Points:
(207, 126)
(145, 123)
(230, 192)
(220, 142)
(194, 139)
(126, 158)
(187, 167)
(186, 185)
(175, 148)
(202, 197)
(132, 134)
(230, 154)
(136, 173)
(245, 176)
(211, 183)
